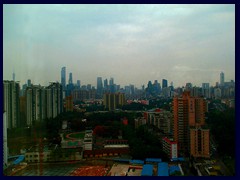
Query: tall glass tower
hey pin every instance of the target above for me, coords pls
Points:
(99, 87)
(164, 83)
(221, 79)
(63, 77)
(70, 79)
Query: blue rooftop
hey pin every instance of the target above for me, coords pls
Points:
(136, 162)
(178, 159)
(19, 159)
(155, 160)
(172, 169)
(147, 170)
(163, 169)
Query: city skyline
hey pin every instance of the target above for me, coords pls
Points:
(133, 44)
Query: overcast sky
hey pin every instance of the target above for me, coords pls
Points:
(131, 43)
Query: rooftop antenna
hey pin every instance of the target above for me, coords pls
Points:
(13, 75)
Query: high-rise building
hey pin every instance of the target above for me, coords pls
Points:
(35, 104)
(221, 79)
(217, 93)
(105, 83)
(157, 87)
(56, 97)
(111, 81)
(99, 83)
(99, 87)
(78, 84)
(188, 86)
(43, 102)
(199, 142)
(206, 90)
(89, 87)
(70, 81)
(112, 101)
(13, 76)
(11, 93)
(29, 82)
(63, 77)
(164, 83)
(111, 85)
(188, 112)
(5, 146)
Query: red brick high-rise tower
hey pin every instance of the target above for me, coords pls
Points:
(188, 129)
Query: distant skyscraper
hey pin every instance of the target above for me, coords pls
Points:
(13, 76)
(164, 83)
(221, 79)
(63, 77)
(206, 90)
(89, 87)
(105, 83)
(29, 83)
(188, 86)
(70, 79)
(111, 81)
(78, 84)
(99, 87)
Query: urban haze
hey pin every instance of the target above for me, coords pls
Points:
(119, 90)
(132, 43)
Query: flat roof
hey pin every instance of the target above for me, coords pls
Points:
(147, 170)
(136, 162)
(163, 169)
(172, 169)
(157, 160)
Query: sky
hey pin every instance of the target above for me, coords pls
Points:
(133, 44)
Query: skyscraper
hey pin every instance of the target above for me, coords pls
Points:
(111, 81)
(111, 85)
(29, 83)
(206, 90)
(13, 76)
(105, 83)
(164, 83)
(189, 119)
(221, 79)
(63, 77)
(99, 87)
(79, 84)
(70, 81)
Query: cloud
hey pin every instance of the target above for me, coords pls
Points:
(134, 43)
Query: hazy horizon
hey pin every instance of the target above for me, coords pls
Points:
(133, 44)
